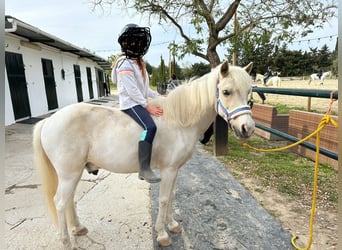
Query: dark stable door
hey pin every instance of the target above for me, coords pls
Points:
(50, 84)
(100, 81)
(90, 83)
(17, 85)
(78, 82)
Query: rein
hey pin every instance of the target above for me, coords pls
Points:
(230, 114)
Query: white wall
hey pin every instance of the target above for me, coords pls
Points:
(66, 89)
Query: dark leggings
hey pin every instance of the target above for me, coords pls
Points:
(144, 119)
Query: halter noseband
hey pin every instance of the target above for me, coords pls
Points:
(236, 112)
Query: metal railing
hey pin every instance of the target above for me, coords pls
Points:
(297, 92)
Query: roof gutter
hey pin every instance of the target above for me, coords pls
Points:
(14, 25)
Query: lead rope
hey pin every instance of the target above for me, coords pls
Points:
(324, 121)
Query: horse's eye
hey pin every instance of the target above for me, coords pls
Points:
(225, 92)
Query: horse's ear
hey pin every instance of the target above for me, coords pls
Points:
(249, 67)
(224, 68)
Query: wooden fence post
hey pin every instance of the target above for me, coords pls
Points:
(220, 136)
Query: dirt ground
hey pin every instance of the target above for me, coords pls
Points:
(319, 104)
(293, 214)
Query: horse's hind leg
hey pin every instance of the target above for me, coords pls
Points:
(63, 198)
(73, 221)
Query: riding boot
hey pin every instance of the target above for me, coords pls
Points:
(145, 172)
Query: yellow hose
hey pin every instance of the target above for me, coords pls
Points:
(324, 121)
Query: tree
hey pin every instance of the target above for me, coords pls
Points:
(212, 20)
(324, 57)
(258, 50)
(196, 70)
(149, 68)
(288, 62)
(335, 59)
(159, 75)
(177, 70)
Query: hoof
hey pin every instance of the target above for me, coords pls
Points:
(176, 230)
(175, 227)
(164, 241)
(80, 231)
(67, 244)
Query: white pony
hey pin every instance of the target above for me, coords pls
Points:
(97, 137)
(259, 77)
(314, 77)
(272, 81)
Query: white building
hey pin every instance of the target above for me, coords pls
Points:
(44, 73)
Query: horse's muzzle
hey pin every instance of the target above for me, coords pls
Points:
(244, 130)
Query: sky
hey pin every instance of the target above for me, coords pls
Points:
(75, 22)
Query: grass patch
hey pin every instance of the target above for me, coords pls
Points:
(286, 172)
(284, 109)
(259, 190)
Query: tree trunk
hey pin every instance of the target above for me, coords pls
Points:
(213, 57)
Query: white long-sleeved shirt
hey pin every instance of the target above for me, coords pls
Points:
(132, 88)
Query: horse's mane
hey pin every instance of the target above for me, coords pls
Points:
(186, 103)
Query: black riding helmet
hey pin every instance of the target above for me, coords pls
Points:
(134, 40)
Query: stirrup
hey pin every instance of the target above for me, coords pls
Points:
(150, 179)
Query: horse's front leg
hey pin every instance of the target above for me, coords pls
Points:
(168, 177)
(172, 224)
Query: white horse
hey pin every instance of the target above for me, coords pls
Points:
(97, 137)
(314, 77)
(259, 77)
(172, 85)
(272, 81)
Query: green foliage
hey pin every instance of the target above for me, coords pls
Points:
(160, 74)
(205, 25)
(289, 62)
(149, 68)
(196, 70)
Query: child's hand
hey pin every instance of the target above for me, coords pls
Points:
(154, 110)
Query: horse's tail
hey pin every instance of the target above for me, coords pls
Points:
(45, 169)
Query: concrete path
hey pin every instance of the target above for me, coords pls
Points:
(115, 208)
(215, 210)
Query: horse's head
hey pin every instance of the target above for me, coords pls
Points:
(233, 92)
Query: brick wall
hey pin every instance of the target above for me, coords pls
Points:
(268, 116)
(298, 124)
(302, 123)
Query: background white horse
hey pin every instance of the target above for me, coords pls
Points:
(314, 77)
(96, 137)
(259, 77)
(272, 81)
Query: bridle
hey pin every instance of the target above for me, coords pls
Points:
(234, 113)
